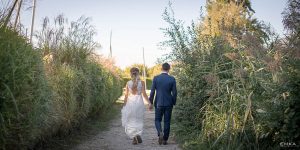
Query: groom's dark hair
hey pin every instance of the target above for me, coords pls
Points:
(166, 67)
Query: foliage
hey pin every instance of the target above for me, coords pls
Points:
(49, 90)
(25, 103)
(155, 70)
(90, 82)
(222, 17)
(230, 19)
(291, 15)
(233, 94)
(290, 126)
(245, 3)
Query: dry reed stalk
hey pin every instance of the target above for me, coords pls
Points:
(248, 110)
(211, 78)
(232, 56)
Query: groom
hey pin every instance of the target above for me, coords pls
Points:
(165, 87)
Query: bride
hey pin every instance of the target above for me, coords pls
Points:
(133, 111)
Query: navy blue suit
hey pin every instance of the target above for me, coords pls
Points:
(164, 86)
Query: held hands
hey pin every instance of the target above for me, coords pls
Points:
(150, 107)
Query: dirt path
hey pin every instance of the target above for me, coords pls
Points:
(115, 138)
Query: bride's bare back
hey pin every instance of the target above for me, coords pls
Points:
(135, 88)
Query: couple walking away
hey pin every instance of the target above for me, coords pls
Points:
(164, 86)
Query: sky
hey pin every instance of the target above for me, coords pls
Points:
(135, 24)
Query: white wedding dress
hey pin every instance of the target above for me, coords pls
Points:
(133, 111)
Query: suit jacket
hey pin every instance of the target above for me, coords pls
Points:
(166, 93)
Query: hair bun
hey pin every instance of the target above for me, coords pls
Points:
(134, 70)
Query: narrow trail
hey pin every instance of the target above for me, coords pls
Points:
(115, 138)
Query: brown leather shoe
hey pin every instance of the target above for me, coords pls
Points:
(135, 141)
(160, 138)
(139, 139)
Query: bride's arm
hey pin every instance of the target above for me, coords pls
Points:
(126, 95)
(144, 93)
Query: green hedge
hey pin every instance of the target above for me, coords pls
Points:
(39, 100)
(25, 97)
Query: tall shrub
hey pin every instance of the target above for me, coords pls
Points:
(230, 90)
(81, 83)
(48, 90)
(25, 97)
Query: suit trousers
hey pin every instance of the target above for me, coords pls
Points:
(163, 112)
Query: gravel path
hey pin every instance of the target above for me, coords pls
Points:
(116, 139)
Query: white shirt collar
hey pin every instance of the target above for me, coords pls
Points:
(164, 72)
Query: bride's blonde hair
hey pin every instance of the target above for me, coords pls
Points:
(134, 73)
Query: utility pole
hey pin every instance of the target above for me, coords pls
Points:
(110, 48)
(32, 21)
(17, 19)
(6, 21)
(145, 76)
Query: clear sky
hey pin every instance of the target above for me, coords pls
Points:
(136, 23)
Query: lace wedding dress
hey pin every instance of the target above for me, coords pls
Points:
(133, 111)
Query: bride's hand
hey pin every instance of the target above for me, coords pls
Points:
(150, 107)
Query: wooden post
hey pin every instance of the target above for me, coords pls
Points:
(32, 20)
(26, 33)
(145, 75)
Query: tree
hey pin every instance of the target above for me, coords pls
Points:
(291, 20)
(225, 18)
(231, 19)
(291, 16)
(245, 3)
(155, 70)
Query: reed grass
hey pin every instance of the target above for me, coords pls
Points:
(49, 90)
(231, 96)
